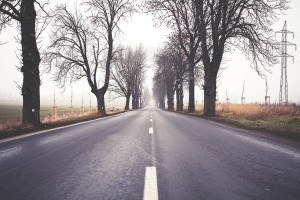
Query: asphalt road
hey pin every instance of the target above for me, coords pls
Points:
(149, 154)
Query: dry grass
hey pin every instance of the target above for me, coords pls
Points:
(257, 111)
(274, 118)
(254, 111)
(10, 115)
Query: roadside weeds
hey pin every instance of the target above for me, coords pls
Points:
(23, 130)
(288, 128)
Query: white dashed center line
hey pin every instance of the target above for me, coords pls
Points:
(150, 189)
(150, 130)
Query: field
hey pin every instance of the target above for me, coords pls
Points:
(274, 118)
(11, 115)
(14, 112)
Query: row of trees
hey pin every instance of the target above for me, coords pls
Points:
(170, 74)
(206, 29)
(82, 46)
(128, 76)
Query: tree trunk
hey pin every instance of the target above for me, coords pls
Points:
(156, 103)
(127, 100)
(137, 100)
(170, 96)
(101, 102)
(30, 68)
(133, 100)
(171, 103)
(191, 107)
(210, 82)
(162, 102)
(179, 98)
(133, 103)
(133, 94)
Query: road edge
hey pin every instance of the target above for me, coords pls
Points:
(260, 132)
(25, 135)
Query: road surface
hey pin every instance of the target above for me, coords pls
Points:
(149, 154)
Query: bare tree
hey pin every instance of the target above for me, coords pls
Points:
(166, 72)
(159, 89)
(107, 14)
(146, 97)
(122, 75)
(75, 50)
(79, 45)
(24, 13)
(172, 68)
(183, 17)
(139, 62)
(129, 65)
(243, 24)
(178, 59)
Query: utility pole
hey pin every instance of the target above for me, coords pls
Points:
(243, 99)
(71, 106)
(54, 109)
(90, 105)
(283, 93)
(267, 98)
(82, 108)
(227, 98)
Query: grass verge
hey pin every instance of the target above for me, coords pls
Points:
(21, 130)
(278, 120)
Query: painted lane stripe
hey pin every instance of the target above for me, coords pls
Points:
(292, 153)
(150, 120)
(151, 130)
(150, 187)
(268, 145)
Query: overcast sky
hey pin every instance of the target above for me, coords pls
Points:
(140, 29)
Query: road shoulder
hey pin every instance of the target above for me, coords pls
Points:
(236, 125)
(22, 132)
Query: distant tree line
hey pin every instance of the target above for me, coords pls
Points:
(203, 30)
(128, 75)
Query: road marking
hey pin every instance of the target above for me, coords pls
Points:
(256, 141)
(268, 145)
(54, 129)
(150, 187)
(150, 120)
(150, 130)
